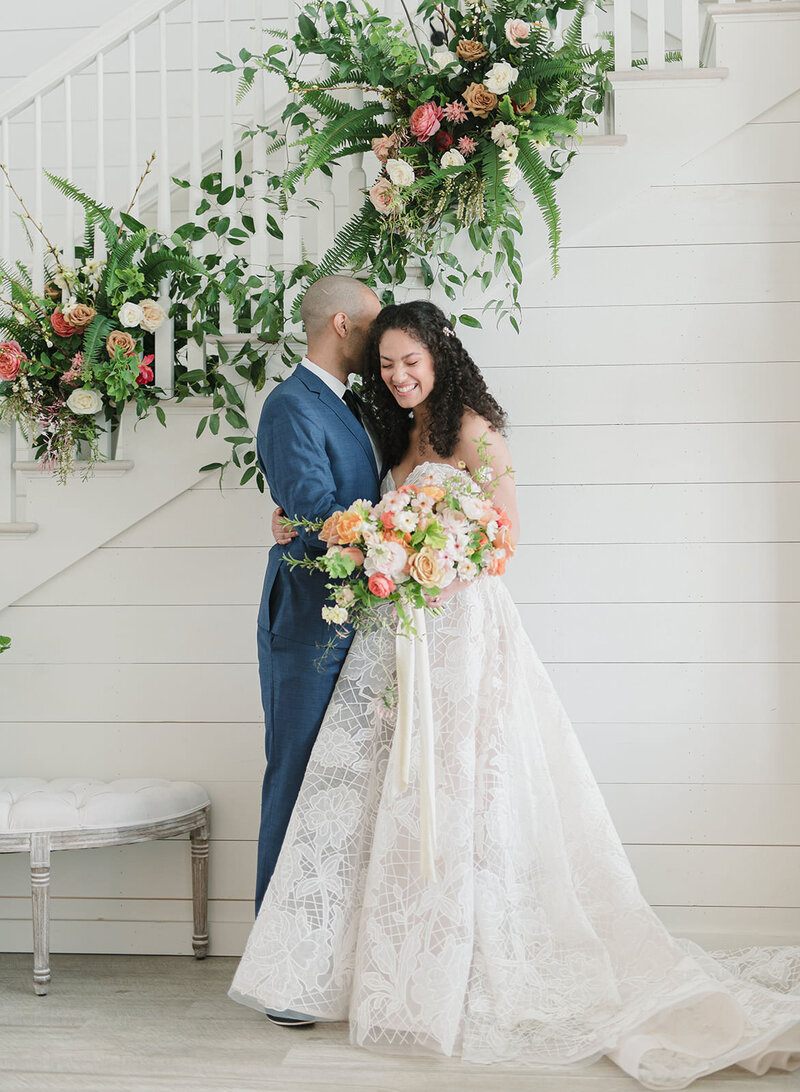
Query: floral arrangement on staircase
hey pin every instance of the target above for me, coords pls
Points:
(454, 126)
(73, 356)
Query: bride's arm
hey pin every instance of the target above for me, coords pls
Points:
(501, 489)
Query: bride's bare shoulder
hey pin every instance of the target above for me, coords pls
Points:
(474, 431)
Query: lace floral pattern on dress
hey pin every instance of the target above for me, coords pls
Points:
(535, 945)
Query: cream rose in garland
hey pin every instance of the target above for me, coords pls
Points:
(85, 401)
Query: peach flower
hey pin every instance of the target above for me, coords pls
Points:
(81, 315)
(384, 147)
(349, 526)
(426, 568)
(330, 528)
(355, 555)
(471, 51)
(382, 196)
(11, 358)
(517, 32)
(479, 99)
(120, 339)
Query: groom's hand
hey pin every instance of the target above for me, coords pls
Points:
(282, 535)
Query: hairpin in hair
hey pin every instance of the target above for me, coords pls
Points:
(447, 331)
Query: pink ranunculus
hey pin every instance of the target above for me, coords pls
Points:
(382, 196)
(354, 554)
(11, 358)
(426, 120)
(517, 32)
(381, 585)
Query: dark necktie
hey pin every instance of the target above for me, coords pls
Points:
(353, 403)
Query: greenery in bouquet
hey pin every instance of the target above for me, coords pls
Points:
(73, 357)
(454, 126)
(408, 547)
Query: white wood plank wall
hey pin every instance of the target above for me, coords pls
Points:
(654, 398)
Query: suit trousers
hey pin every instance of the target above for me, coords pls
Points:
(297, 682)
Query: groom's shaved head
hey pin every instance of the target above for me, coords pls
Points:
(330, 295)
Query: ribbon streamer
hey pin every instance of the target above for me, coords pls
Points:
(414, 678)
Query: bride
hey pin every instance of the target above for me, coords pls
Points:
(534, 944)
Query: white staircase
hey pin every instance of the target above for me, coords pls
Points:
(143, 80)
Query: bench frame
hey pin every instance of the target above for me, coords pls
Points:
(39, 844)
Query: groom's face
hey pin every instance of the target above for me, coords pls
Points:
(357, 342)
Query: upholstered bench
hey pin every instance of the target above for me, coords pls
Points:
(72, 813)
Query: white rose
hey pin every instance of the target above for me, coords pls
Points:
(400, 172)
(130, 314)
(85, 400)
(442, 58)
(473, 507)
(512, 175)
(335, 615)
(153, 314)
(453, 158)
(509, 154)
(500, 77)
(503, 134)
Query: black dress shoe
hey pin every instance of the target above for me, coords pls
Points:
(289, 1022)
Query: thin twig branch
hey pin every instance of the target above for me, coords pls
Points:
(145, 173)
(414, 32)
(28, 216)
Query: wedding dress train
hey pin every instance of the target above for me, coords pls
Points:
(534, 945)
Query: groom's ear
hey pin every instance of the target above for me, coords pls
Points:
(341, 323)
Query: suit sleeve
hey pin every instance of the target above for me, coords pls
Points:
(297, 467)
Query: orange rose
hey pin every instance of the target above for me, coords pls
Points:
(479, 99)
(426, 568)
(396, 536)
(349, 524)
(435, 492)
(354, 554)
(504, 541)
(330, 529)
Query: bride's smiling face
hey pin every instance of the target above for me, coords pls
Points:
(406, 368)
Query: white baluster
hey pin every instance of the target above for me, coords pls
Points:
(589, 25)
(133, 150)
(622, 35)
(356, 179)
(195, 354)
(655, 34)
(259, 246)
(690, 25)
(37, 272)
(100, 179)
(69, 211)
(228, 167)
(5, 197)
(292, 240)
(8, 484)
(165, 358)
(326, 214)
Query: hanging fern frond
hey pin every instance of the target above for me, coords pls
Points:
(65, 187)
(94, 342)
(156, 266)
(572, 35)
(326, 104)
(354, 234)
(535, 172)
(353, 127)
(497, 195)
(121, 255)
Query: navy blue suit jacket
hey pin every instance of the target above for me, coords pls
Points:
(317, 459)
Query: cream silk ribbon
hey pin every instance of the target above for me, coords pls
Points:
(414, 677)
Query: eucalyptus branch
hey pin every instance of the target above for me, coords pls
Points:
(28, 216)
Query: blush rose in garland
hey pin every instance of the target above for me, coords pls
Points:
(76, 355)
(429, 114)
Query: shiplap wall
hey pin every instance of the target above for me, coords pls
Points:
(654, 396)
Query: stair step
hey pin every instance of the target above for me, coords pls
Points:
(17, 530)
(111, 468)
(674, 74)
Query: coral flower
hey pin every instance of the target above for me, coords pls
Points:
(61, 326)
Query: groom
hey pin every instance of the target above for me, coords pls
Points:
(317, 458)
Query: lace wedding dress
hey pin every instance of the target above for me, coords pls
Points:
(534, 945)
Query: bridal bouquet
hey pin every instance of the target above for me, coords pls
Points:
(407, 548)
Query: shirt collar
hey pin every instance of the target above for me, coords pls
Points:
(336, 385)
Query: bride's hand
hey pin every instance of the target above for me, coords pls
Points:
(445, 594)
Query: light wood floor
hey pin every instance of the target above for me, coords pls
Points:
(147, 1023)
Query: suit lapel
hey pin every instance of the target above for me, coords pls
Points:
(338, 406)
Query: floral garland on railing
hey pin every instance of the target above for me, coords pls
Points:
(72, 358)
(455, 127)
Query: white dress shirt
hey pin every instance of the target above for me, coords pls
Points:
(338, 388)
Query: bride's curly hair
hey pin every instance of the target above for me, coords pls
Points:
(458, 383)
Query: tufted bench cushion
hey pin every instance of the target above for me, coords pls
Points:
(71, 803)
(38, 816)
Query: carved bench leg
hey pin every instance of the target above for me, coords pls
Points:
(40, 893)
(199, 840)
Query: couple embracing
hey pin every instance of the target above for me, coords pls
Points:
(533, 944)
